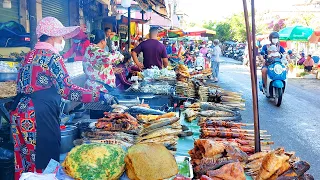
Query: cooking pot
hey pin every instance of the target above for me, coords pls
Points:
(68, 135)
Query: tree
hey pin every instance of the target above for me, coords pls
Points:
(223, 31)
(238, 27)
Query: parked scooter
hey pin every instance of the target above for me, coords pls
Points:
(276, 81)
(240, 55)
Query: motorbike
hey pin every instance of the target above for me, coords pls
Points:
(276, 81)
(240, 55)
(235, 55)
(13, 34)
(231, 54)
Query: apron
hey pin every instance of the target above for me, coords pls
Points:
(36, 130)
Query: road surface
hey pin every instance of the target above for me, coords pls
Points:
(294, 125)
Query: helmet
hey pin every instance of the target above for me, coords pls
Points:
(290, 52)
(273, 35)
(209, 42)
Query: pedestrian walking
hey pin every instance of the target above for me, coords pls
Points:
(215, 60)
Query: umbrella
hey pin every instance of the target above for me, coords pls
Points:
(195, 31)
(295, 33)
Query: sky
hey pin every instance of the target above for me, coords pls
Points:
(200, 10)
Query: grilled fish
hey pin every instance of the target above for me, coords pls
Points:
(213, 113)
(162, 132)
(145, 111)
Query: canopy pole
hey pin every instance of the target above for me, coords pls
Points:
(129, 28)
(253, 74)
(142, 16)
(33, 22)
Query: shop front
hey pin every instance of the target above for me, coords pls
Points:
(10, 14)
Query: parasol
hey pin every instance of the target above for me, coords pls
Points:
(295, 33)
(195, 31)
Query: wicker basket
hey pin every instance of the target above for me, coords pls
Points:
(8, 89)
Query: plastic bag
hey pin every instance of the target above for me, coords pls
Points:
(35, 176)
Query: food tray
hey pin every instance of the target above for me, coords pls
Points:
(8, 89)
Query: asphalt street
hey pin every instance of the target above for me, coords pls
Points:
(294, 125)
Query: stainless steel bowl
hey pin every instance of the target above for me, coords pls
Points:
(68, 135)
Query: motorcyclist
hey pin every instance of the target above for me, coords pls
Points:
(274, 39)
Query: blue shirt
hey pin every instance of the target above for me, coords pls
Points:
(169, 49)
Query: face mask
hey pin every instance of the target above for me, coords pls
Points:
(58, 46)
(275, 40)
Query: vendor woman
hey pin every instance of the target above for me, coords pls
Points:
(42, 82)
(99, 65)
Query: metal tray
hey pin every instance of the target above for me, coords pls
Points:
(8, 77)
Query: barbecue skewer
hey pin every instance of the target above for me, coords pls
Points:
(242, 133)
(230, 135)
(241, 141)
(224, 124)
(235, 130)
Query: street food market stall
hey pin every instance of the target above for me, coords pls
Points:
(195, 132)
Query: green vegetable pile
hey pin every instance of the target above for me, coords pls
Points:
(95, 161)
(184, 168)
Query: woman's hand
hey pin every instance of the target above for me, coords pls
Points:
(140, 66)
(108, 99)
(117, 70)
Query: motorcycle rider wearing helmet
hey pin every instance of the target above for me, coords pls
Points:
(274, 39)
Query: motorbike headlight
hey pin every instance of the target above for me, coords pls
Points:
(278, 69)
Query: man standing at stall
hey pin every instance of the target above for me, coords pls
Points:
(154, 52)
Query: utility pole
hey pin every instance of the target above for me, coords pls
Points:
(32, 4)
(129, 28)
(142, 17)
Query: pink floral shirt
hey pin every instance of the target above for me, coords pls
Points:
(98, 67)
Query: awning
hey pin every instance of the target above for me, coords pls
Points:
(158, 6)
(124, 20)
(195, 31)
(157, 20)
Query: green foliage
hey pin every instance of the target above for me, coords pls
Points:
(233, 28)
(223, 31)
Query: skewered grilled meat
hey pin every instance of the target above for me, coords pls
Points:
(226, 124)
(220, 134)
